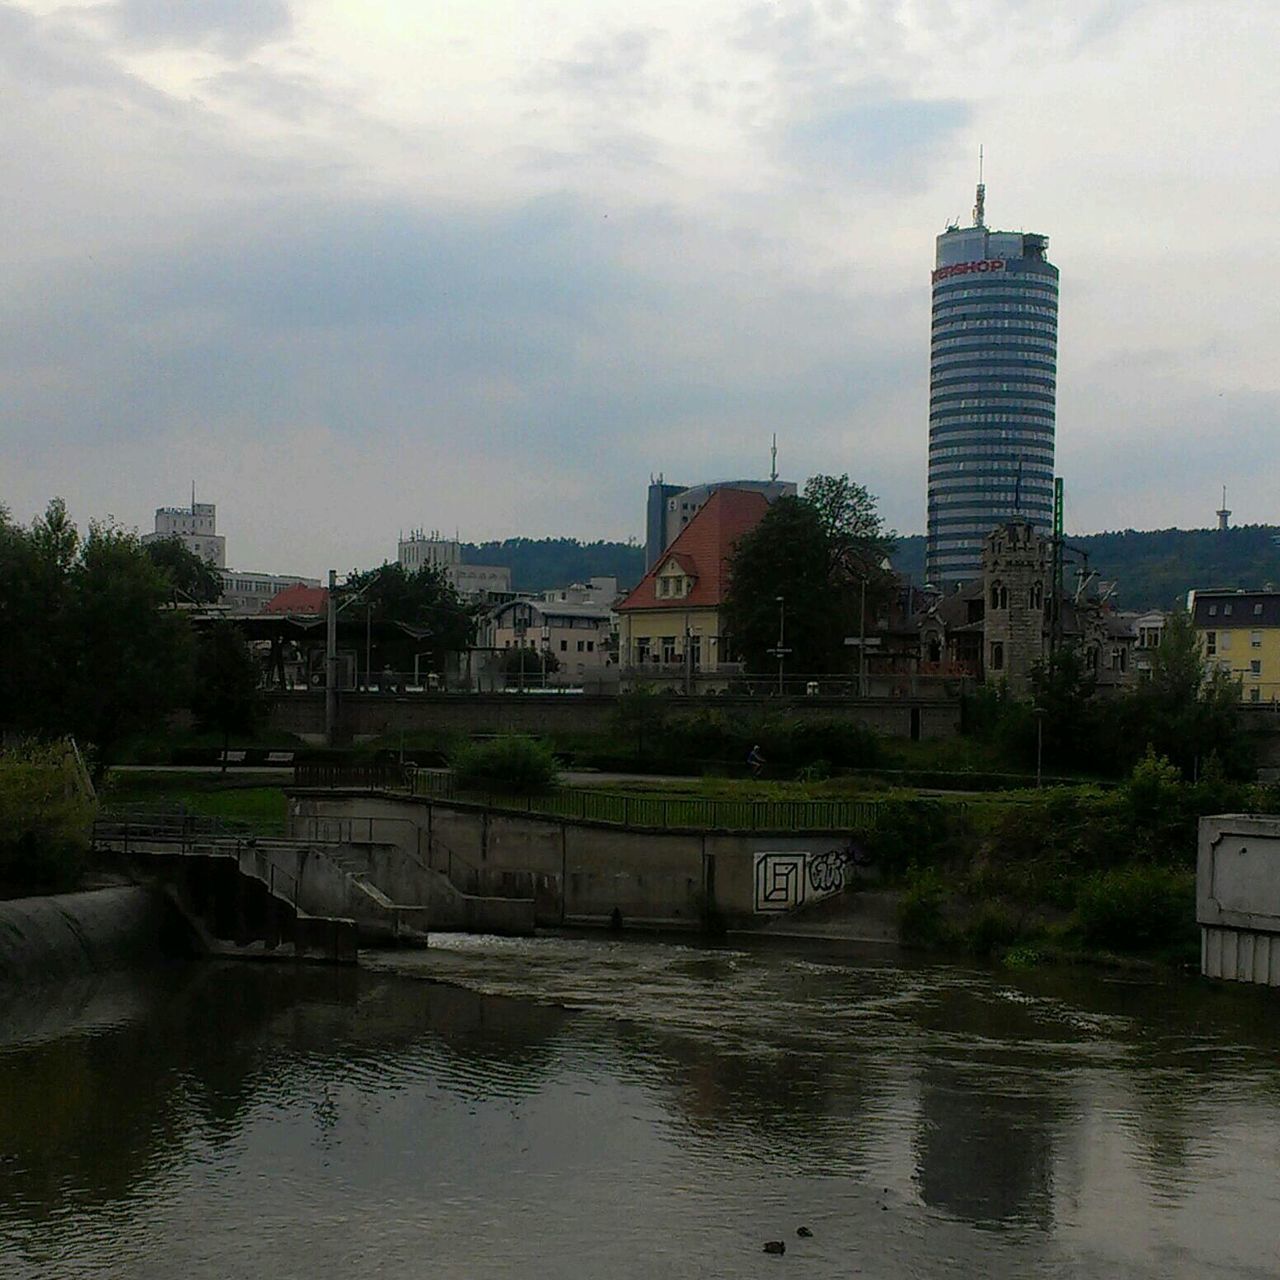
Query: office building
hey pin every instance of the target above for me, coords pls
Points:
(992, 384)
(195, 526)
(474, 581)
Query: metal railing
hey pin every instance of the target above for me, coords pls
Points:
(662, 812)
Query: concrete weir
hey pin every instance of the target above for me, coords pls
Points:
(579, 872)
(1238, 898)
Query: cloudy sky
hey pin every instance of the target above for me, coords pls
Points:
(485, 265)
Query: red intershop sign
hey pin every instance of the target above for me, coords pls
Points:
(964, 268)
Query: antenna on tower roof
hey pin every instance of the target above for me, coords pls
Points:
(773, 458)
(980, 206)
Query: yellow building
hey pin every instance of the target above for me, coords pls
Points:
(1240, 633)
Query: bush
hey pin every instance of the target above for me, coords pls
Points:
(1138, 908)
(514, 763)
(45, 820)
(920, 919)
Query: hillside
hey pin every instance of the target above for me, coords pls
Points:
(1156, 569)
(539, 563)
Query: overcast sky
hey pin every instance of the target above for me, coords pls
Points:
(484, 265)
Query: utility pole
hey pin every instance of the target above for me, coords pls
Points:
(331, 660)
(781, 651)
(862, 643)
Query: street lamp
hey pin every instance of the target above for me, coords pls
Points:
(1039, 713)
(781, 650)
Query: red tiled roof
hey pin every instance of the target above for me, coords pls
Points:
(298, 599)
(702, 550)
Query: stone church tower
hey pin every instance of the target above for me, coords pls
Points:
(1017, 582)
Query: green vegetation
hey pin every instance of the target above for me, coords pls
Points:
(209, 794)
(191, 579)
(432, 616)
(225, 697)
(515, 764)
(87, 646)
(1061, 871)
(537, 564)
(46, 815)
(816, 553)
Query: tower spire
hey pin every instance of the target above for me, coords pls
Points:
(980, 204)
(773, 458)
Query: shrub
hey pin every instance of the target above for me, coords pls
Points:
(45, 819)
(920, 918)
(514, 763)
(992, 929)
(1138, 908)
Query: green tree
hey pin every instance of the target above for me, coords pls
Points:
(191, 577)
(126, 659)
(225, 695)
(525, 662)
(1189, 709)
(824, 554)
(858, 543)
(1062, 690)
(430, 612)
(787, 555)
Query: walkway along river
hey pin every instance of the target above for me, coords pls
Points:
(624, 1107)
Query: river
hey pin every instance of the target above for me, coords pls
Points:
(609, 1107)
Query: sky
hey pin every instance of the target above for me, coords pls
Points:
(485, 266)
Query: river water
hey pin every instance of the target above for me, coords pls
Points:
(603, 1107)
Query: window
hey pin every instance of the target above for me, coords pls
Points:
(1257, 610)
(1224, 641)
(1255, 639)
(1255, 667)
(642, 648)
(591, 646)
(668, 648)
(1213, 611)
(1226, 610)
(1255, 694)
(582, 644)
(564, 645)
(997, 655)
(1211, 643)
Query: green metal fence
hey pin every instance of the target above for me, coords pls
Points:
(591, 804)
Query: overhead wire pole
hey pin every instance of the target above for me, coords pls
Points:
(331, 660)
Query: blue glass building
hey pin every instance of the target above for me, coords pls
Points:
(992, 385)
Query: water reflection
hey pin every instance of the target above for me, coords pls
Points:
(595, 1107)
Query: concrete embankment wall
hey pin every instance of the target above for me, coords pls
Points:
(1238, 898)
(582, 872)
(80, 933)
(362, 715)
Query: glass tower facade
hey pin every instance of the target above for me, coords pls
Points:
(992, 386)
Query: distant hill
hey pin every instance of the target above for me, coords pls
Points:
(539, 563)
(1156, 569)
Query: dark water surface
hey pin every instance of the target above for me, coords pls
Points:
(599, 1108)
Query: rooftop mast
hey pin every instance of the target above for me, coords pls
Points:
(773, 456)
(980, 206)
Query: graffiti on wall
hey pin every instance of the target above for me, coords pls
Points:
(785, 881)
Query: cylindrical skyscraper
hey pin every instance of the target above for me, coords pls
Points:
(992, 382)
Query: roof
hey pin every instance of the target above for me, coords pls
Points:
(554, 609)
(1236, 609)
(702, 550)
(298, 599)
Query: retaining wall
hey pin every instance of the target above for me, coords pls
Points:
(1238, 898)
(584, 872)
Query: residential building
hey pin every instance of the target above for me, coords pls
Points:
(671, 507)
(992, 386)
(577, 635)
(248, 593)
(671, 621)
(472, 581)
(1240, 633)
(196, 526)
(601, 591)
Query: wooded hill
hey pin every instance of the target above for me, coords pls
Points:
(1156, 569)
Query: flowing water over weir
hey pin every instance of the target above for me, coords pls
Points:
(602, 1107)
(81, 933)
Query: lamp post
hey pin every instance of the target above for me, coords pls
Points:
(331, 659)
(1039, 713)
(862, 642)
(782, 631)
